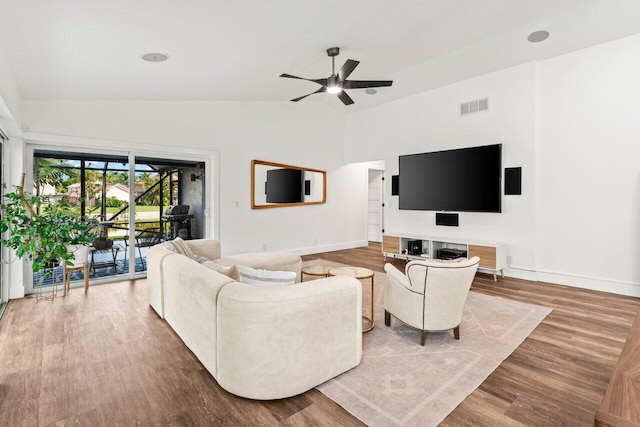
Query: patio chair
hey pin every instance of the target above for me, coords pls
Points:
(143, 239)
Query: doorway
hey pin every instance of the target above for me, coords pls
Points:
(375, 210)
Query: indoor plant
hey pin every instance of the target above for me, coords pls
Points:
(44, 238)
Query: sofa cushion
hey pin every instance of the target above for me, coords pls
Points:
(263, 260)
(254, 276)
(275, 261)
(228, 270)
(178, 245)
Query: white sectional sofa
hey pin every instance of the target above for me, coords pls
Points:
(258, 342)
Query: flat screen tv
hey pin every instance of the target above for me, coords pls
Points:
(284, 186)
(466, 179)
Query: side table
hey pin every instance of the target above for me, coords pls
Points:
(315, 270)
(359, 273)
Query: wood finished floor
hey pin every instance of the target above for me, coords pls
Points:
(107, 359)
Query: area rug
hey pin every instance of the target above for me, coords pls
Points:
(40, 280)
(399, 382)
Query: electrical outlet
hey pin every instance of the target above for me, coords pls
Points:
(264, 246)
(509, 259)
(236, 204)
(315, 241)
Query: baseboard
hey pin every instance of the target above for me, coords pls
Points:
(592, 283)
(16, 291)
(329, 248)
(575, 280)
(521, 273)
(510, 272)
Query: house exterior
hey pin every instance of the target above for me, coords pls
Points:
(117, 191)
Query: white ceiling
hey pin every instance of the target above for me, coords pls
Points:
(235, 50)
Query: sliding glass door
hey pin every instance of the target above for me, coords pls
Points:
(4, 294)
(139, 202)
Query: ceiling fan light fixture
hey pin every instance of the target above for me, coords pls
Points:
(333, 84)
(337, 83)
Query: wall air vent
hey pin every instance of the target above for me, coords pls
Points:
(474, 106)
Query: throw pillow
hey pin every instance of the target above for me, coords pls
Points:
(265, 277)
(227, 270)
(200, 259)
(180, 246)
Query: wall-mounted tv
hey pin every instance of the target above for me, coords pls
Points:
(284, 186)
(466, 179)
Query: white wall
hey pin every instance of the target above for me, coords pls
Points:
(589, 169)
(10, 114)
(308, 135)
(10, 99)
(14, 271)
(431, 121)
(571, 123)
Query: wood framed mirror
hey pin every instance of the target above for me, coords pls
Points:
(276, 185)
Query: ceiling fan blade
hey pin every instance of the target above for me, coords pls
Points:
(322, 82)
(322, 89)
(362, 84)
(289, 76)
(347, 69)
(346, 99)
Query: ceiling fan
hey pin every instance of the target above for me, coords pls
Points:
(336, 83)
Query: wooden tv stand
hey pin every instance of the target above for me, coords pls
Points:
(493, 255)
(620, 406)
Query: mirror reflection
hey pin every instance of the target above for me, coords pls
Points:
(276, 185)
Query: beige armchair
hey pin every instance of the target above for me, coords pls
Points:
(431, 296)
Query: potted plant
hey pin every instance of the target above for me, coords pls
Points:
(47, 238)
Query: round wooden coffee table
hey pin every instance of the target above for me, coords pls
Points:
(314, 270)
(358, 273)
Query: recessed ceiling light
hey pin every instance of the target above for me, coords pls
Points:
(370, 91)
(155, 57)
(538, 36)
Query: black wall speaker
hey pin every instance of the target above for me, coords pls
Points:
(448, 219)
(395, 185)
(513, 181)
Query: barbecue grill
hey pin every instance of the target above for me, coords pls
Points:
(180, 219)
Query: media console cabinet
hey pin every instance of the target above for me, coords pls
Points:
(493, 255)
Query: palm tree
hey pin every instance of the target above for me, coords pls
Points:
(48, 172)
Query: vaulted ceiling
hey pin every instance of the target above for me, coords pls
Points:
(235, 50)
